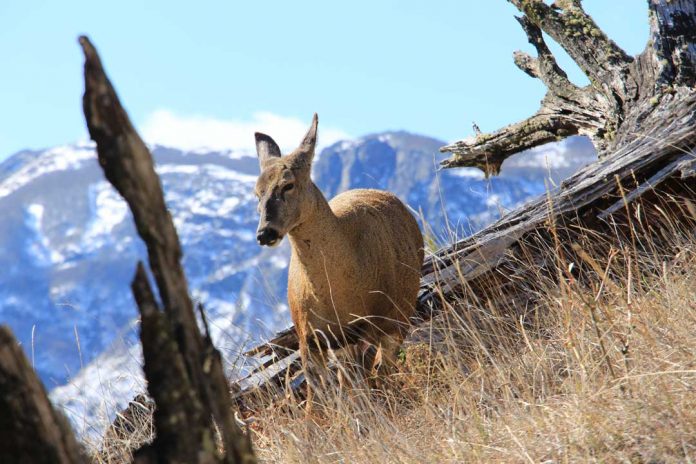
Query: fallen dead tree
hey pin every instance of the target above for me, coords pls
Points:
(182, 367)
(640, 113)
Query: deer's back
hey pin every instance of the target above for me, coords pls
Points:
(377, 271)
(378, 221)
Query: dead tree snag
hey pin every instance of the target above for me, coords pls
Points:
(640, 112)
(626, 95)
(183, 368)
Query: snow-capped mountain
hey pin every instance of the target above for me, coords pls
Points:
(68, 246)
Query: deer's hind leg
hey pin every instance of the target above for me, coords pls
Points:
(377, 356)
(386, 359)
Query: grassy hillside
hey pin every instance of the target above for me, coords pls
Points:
(603, 371)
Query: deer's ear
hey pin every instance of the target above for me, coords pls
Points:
(305, 152)
(310, 138)
(266, 148)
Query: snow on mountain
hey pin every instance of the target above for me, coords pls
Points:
(55, 159)
(68, 246)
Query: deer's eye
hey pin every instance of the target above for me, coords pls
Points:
(287, 187)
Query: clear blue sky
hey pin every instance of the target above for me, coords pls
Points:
(364, 66)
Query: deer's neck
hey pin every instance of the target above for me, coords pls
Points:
(318, 237)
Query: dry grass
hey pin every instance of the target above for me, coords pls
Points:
(603, 371)
(130, 429)
(604, 374)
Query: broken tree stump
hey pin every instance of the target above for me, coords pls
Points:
(31, 430)
(183, 368)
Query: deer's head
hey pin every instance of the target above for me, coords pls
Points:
(284, 188)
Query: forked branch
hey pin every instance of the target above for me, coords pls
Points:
(544, 67)
(573, 29)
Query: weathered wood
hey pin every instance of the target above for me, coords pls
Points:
(177, 403)
(638, 112)
(488, 151)
(183, 368)
(624, 92)
(673, 38)
(596, 54)
(673, 140)
(31, 430)
(683, 165)
(543, 67)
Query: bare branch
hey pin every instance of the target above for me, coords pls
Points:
(488, 151)
(527, 63)
(567, 23)
(596, 110)
(545, 66)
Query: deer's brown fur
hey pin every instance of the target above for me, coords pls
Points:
(356, 257)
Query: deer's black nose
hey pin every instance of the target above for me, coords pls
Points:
(267, 236)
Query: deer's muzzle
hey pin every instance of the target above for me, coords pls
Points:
(268, 236)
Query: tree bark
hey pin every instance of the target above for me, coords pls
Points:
(183, 368)
(31, 430)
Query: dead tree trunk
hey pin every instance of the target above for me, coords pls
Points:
(640, 112)
(183, 368)
(31, 430)
(627, 98)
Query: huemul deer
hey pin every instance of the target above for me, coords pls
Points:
(357, 257)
